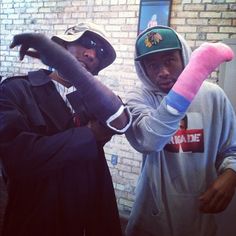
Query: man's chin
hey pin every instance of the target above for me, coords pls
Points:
(165, 89)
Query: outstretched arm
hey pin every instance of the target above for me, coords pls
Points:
(99, 100)
(154, 126)
(203, 61)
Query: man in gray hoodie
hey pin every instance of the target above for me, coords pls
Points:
(185, 127)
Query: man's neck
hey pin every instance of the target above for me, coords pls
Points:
(55, 76)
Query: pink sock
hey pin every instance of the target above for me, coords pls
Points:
(203, 61)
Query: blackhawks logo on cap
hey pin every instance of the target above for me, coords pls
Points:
(152, 38)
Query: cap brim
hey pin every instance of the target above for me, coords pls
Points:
(156, 51)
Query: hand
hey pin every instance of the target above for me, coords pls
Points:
(102, 134)
(43, 48)
(26, 41)
(219, 194)
(33, 54)
(204, 60)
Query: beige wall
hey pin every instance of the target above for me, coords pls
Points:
(196, 20)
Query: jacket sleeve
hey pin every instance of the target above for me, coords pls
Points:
(226, 158)
(153, 124)
(100, 101)
(26, 150)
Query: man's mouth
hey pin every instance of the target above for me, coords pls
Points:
(167, 83)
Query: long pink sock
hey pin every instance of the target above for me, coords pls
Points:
(203, 61)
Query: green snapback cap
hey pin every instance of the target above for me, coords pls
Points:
(156, 39)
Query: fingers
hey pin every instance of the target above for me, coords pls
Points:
(23, 50)
(209, 205)
(14, 42)
(214, 201)
(219, 194)
(220, 205)
(214, 207)
(205, 199)
(22, 41)
(33, 54)
(19, 40)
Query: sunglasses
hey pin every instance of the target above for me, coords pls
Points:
(86, 41)
(89, 43)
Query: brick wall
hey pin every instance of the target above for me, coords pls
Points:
(196, 20)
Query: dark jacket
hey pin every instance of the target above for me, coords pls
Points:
(58, 179)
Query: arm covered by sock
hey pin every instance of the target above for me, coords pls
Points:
(204, 60)
(100, 101)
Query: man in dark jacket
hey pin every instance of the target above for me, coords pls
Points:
(57, 177)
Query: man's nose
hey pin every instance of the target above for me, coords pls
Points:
(90, 53)
(163, 71)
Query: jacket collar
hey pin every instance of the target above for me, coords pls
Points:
(40, 77)
(49, 100)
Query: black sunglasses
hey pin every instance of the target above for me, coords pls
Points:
(89, 43)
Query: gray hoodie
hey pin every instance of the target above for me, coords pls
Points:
(179, 164)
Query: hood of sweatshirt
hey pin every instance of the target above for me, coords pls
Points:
(146, 82)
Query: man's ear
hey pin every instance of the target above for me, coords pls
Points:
(143, 66)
